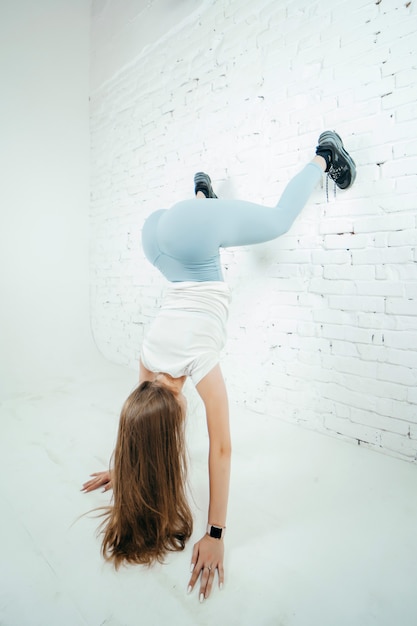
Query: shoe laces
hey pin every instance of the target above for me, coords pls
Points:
(333, 173)
(327, 187)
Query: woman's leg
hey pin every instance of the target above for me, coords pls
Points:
(245, 223)
(255, 224)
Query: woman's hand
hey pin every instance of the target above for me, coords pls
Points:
(100, 479)
(208, 554)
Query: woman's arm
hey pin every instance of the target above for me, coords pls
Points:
(212, 390)
(208, 552)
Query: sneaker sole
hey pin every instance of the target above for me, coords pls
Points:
(332, 140)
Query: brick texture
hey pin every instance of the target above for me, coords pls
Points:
(323, 325)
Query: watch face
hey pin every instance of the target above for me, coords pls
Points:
(216, 532)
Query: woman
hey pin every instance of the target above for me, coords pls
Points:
(150, 514)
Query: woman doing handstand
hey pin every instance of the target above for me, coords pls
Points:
(149, 514)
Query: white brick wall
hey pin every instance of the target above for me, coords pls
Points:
(323, 327)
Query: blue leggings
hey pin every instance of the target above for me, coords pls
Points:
(183, 242)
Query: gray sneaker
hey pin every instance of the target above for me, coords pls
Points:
(340, 166)
(202, 182)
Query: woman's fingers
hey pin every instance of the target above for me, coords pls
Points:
(207, 573)
(196, 569)
(207, 557)
(87, 486)
(194, 557)
(206, 582)
(220, 570)
(207, 578)
(90, 487)
(99, 479)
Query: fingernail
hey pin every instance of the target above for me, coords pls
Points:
(192, 567)
(189, 589)
(201, 597)
(221, 585)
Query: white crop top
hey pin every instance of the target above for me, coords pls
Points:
(189, 331)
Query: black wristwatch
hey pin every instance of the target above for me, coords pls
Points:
(217, 532)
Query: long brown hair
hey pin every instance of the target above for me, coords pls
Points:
(149, 515)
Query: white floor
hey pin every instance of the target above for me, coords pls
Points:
(320, 532)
